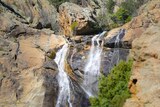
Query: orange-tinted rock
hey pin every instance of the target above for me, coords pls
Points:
(84, 18)
(146, 67)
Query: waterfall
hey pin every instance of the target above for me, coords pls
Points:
(63, 79)
(115, 55)
(92, 68)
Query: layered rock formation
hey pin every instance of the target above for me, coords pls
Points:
(144, 84)
(38, 14)
(27, 72)
(27, 76)
(145, 79)
(27, 49)
(77, 20)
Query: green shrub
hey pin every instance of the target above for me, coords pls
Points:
(127, 10)
(1, 10)
(1, 49)
(73, 27)
(110, 6)
(121, 16)
(52, 55)
(130, 6)
(56, 3)
(113, 89)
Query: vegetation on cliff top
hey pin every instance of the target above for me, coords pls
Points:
(124, 14)
(113, 89)
(56, 3)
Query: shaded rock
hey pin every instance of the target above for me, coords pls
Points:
(50, 65)
(13, 28)
(84, 18)
(51, 87)
(113, 36)
(39, 14)
(121, 44)
(111, 57)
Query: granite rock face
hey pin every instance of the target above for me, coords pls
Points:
(38, 14)
(27, 74)
(145, 80)
(28, 47)
(84, 17)
(144, 84)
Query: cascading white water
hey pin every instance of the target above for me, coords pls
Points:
(92, 68)
(116, 52)
(63, 79)
(115, 55)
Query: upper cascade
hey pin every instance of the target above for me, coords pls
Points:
(116, 52)
(92, 68)
(99, 39)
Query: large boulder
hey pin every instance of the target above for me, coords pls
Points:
(84, 18)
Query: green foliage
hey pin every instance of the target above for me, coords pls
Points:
(1, 49)
(124, 14)
(110, 5)
(56, 3)
(74, 25)
(52, 55)
(1, 10)
(121, 16)
(130, 6)
(113, 89)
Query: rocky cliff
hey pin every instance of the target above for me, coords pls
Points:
(144, 84)
(27, 74)
(28, 44)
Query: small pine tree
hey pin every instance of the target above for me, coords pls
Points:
(113, 89)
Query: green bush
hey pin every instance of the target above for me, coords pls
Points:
(56, 3)
(74, 25)
(127, 10)
(110, 6)
(132, 5)
(52, 54)
(1, 49)
(113, 89)
(121, 16)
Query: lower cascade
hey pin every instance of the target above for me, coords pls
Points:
(92, 68)
(63, 79)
